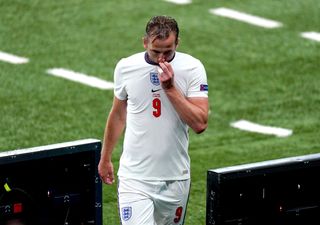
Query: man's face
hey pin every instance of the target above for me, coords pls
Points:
(161, 50)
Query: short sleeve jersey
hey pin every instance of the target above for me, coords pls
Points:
(156, 139)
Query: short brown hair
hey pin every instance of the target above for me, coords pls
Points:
(160, 27)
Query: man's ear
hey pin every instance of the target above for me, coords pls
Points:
(177, 42)
(145, 42)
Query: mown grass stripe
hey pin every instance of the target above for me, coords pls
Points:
(257, 128)
(247, 18)
(81, 78)
(7, 57)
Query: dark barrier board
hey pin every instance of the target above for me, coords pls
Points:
(276, 192)
(51, 185)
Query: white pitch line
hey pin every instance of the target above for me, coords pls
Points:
(6, 57)
(254, 127)
(81, 78)
(311, 35)
(180, 2)
(254, 20)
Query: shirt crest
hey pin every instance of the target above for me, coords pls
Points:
(154, 78)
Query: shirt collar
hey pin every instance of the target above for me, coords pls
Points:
(148, 60)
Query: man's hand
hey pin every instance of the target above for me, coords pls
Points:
(166, 75)
(105, 170)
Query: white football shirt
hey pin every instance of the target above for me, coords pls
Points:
(156, 140)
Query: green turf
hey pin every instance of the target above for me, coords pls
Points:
(268, 76)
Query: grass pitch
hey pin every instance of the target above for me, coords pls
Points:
(267, 76)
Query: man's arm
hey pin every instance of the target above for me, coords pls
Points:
(113, 130)
(193, 111)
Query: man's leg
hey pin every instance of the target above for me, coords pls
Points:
(135, 205)
(171, 202)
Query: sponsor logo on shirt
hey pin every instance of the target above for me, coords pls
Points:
(126, 213)
(155, 90)
(203, 87)
(154, 78)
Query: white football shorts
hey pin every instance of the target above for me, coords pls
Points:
(152, 202)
